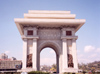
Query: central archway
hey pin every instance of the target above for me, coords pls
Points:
(52, 45)
(48, 60)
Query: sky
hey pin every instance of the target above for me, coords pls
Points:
(88, 42)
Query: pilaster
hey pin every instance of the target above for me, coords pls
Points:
(74, 53)
(64, 55)
(34, 56)
(24, 54)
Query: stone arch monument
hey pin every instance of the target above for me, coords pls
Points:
(55, 29)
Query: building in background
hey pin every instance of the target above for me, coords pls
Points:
(9, 64)
(3, 56)
(13, 58)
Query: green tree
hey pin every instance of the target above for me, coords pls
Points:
(54, 66)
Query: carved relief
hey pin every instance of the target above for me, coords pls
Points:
(70, 60)
(50, 37)
(49, 33)
(29, 60)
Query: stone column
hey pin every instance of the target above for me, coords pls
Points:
(24, 54)
(60, 62)
(38, 61)
(57, 62)
(74, 53)
(64, 54)
(34, 56)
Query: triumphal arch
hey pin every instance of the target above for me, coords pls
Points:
(55, 29)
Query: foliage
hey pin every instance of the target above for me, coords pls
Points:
(38, 72)
(97, 72)
(81, 73)
(32, 72)
(16, 73)
(54, 68)
(90, 66)
(93, 69)
(10, 73)
(69, 73)
(84, 72)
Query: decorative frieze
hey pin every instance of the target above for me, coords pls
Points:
(49, 27)
(49, 34)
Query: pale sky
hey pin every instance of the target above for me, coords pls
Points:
(88, 42)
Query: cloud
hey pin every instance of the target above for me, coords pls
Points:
(91, 55)
(89, 48)
(7, 52)
(98, 50)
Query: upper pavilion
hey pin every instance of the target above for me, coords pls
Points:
(43, 18)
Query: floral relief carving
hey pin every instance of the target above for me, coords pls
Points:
(70, 60)
(49, 34)
(29, 60)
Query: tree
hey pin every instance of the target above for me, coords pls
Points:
(93, 69)
(54, 67)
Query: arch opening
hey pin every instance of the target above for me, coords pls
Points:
(48, 60)
(53, 47)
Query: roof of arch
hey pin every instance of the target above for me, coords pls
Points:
(48, 19)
